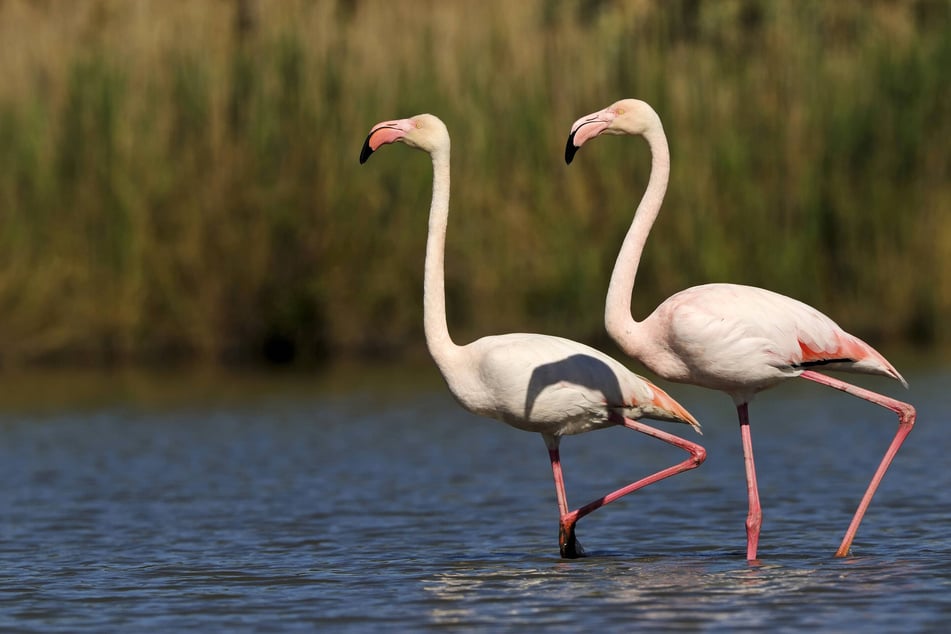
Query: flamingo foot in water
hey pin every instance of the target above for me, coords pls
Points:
(570, 548)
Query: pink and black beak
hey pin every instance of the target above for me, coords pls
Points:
(381, 134)
(367, 150)
(570, 148)
(586, 128)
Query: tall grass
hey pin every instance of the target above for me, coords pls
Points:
(179, 179)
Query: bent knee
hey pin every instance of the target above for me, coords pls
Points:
(699, 455)
(907, 414)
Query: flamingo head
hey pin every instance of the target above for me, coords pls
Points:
(627, 116)
(424, 131)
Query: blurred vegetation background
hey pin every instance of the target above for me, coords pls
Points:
(179, 180)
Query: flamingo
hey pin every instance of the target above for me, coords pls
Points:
(728, 337)
(537, 383)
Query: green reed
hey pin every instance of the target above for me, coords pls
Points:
(179, 180)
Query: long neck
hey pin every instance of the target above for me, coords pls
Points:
(617, 310)
(439, 342)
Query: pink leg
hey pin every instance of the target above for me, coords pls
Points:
(569, 546)
(567, 543)
(559, 481)
(906, 419)
(754, 519)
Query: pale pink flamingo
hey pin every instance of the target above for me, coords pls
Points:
(728, 337)
(537, 383)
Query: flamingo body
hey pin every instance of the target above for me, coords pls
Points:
(554, 386)
(742, 340)
(538, 383)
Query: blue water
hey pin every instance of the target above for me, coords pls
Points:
(355, 506)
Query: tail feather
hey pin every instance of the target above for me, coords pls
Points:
(850, 354)
(664, 407)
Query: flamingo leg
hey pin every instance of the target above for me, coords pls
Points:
(567, 542)
(569, 546)
(754, 519)
(906, 420)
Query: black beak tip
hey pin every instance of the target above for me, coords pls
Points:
(366, 151)
(570, 148)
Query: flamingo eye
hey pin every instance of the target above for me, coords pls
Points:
(418, 125)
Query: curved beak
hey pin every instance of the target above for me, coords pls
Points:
(367, 150)
(586, 128)
(381, 134)
(570, 148)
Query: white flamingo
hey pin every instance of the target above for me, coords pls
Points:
(728, 337)
(537, 383)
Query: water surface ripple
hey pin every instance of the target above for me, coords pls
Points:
(354, 510)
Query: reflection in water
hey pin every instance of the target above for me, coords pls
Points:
(691, 592)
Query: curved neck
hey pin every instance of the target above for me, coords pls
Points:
(438, 341)
(617, 310)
